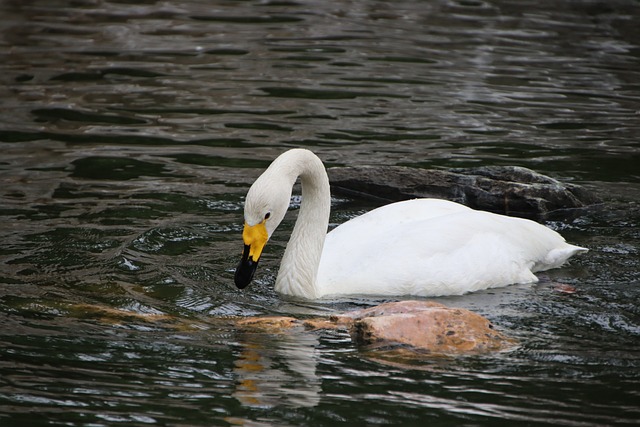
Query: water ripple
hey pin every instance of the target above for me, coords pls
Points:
(130, 132)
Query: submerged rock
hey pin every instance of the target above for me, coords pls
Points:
(509, 190)
(269, 323)
(422, 327)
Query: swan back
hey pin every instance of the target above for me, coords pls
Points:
(431, 247)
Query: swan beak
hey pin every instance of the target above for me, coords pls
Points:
(255, 238)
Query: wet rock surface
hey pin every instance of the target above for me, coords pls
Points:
(431, 328)
(509, 190)
(423, 327)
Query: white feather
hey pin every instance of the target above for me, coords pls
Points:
(424, 247)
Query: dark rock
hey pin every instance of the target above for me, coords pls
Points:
(509, 190)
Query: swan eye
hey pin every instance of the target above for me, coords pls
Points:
(267, 215)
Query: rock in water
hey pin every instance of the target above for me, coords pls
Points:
(422, 327)
(427, 327)
(509, 190)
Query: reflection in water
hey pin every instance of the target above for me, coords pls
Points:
(278, 369)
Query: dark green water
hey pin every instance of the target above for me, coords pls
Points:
(130, 132)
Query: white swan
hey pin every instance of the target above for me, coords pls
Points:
(424, 247)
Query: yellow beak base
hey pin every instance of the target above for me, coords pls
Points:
(255, 238)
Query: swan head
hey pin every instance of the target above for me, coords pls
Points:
(265, 206)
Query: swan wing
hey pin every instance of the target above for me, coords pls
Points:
(431, 247)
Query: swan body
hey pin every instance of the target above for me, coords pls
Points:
(423, 247)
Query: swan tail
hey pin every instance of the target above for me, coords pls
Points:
(559, 256)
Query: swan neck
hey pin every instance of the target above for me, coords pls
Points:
(299, 266)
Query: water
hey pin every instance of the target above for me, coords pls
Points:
(130, 132)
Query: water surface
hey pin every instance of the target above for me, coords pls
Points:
(130, 132)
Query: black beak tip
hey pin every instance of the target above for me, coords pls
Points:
(245, 270)
(244, 274)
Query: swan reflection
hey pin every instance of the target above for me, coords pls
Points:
(277, 369)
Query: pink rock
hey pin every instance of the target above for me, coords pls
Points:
(422, 326)
(429, 327)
